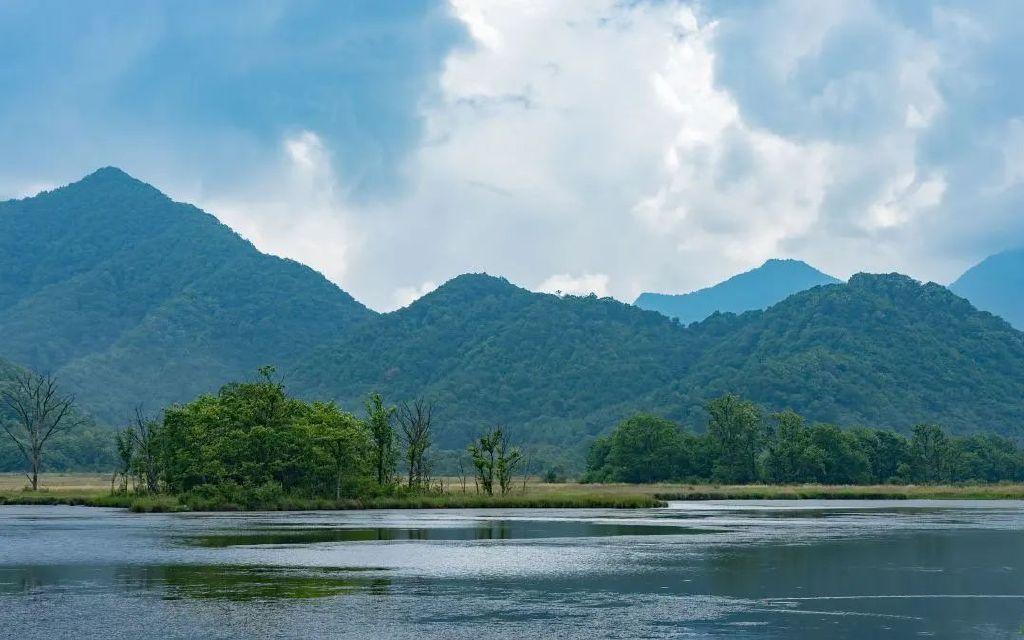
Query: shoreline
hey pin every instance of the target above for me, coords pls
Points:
(537, 496)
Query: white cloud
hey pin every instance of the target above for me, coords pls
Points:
(404, 296)
(616, 146)
(295, 208)
(307, 152)
(567, 284)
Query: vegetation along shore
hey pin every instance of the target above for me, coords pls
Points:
(252, 446)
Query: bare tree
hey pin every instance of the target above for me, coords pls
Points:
(126, 456)
(415, 421)
(143, 433)
(40, 412)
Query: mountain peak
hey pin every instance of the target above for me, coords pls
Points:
(109, 172)
(758, 288)
(468, 286)
(113, 182)
(777, 263)
(994, 285)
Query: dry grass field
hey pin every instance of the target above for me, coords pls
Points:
(91, 484)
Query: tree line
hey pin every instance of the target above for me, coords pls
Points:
(253, 443)
(743, 444)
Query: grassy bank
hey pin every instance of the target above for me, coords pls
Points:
(167, 504)
(93, 490)
(836, 492)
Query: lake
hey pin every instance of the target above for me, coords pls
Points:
(779, 569)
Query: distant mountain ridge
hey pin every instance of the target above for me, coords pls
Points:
(130, 297)
(755, 289)
(996, 285)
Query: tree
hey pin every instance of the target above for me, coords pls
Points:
(415, 421)
(887, 451)
(40, 412)
(929, 447)
(342, 437)
(508, 459)
(380, 420)
(125, 455)
(143, 433)
(494, 459)
(735, 432)
(788, 457)
(645, 448)
(483, 452)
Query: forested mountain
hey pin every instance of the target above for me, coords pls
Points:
(553, 369)
(129, 297)
(755, 289)
(881, 350)
(996, 285)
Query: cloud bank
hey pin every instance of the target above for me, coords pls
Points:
(593, 146)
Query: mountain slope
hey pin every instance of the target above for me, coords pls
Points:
(996, 285)
(755, 289)
(553, 369)
(881, 350)
(132, 298)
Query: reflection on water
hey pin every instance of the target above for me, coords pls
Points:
(485, 530)
(702, 570)
(238, 583)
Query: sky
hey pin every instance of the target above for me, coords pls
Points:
(605, 146)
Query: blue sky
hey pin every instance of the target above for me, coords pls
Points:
(600, 145)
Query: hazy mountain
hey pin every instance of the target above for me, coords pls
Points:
(131, 298)
(996, 285)
(755, 289)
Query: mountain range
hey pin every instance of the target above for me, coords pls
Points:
(131, 298)
(758, 288)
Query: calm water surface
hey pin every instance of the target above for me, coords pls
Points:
(695, 570)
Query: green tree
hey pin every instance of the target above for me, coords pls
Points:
(484, 452)
(645, 448)
(929, 450)
(342, 438)
(380, 419)
(495, 460)
(736, 433)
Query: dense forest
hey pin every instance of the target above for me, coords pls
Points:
(131, 299)
(744, 444)
(881, 350)
(127, 296)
